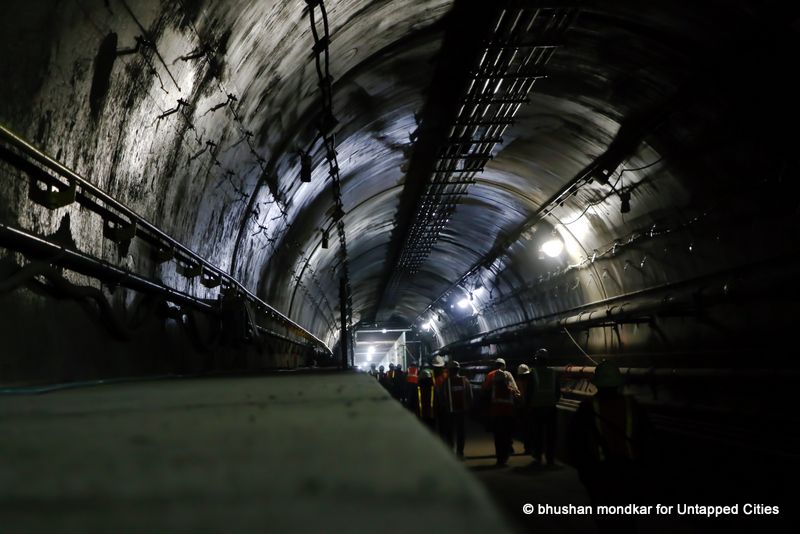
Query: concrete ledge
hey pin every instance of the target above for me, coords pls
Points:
(326, 452)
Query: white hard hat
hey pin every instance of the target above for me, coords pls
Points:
(438, 361)
(500, 361)
(523, 369)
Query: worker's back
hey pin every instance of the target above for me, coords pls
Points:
(608, 431)
(543, 389)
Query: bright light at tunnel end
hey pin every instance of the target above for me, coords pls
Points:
(553, 247)
(463, 303)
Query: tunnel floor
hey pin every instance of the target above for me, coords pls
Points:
(521, 482)
(324, 452)
(293, 451)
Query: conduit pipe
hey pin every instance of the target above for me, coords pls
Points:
(35, 246)
(587, 372)
(156, 235)
(680, 298)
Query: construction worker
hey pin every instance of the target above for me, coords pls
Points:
(543, 393)
(501, 390)
(388, 381)
(608, 443)
(373, 372)
(382, 375)
(439, 376)
(411, 385)
(439, 370)
(425, 397)
(523, 416)
(456, 398)
(399, 383)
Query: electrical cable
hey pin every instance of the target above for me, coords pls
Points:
(579, 347)
(613, 189)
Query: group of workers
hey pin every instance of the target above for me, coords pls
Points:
(394, 380)
(527, 403)
(607, 439)
(440, 396)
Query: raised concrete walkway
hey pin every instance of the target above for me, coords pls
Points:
(293, 452)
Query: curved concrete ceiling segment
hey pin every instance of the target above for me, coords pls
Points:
(200, 129)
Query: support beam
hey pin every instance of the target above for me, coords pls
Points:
(343, 342)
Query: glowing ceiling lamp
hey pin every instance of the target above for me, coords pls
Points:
(427, 326)
(463, 303)
(553, 247)
(371, 350)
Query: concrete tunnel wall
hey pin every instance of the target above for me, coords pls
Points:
(662, 84)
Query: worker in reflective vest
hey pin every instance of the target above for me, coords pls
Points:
(609, 441)
(543, 393)
(426, 399)
(439, 370)
(502, 390)
(411, 386)
(388, 380)
(399, 384)
(439, 376)
(456, 398)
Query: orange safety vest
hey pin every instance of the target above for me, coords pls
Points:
(502, 400)
(426, 407)
(411, 376)
(613, 423)
(440, 377)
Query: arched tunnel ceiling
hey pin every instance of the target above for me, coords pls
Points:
(225, 179)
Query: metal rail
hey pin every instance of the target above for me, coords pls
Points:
(147, 231)
(36, 246)
(583, 371)
(675, 297)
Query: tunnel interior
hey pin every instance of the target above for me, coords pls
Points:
(610, 180)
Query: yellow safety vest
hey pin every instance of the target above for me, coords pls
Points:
(419, 398)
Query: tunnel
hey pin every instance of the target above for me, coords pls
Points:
(217, 217)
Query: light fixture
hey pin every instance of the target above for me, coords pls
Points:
(427, 326)
(553, 247)
(463, 303)
(371, 350)
(602, 175)
(383, 331)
